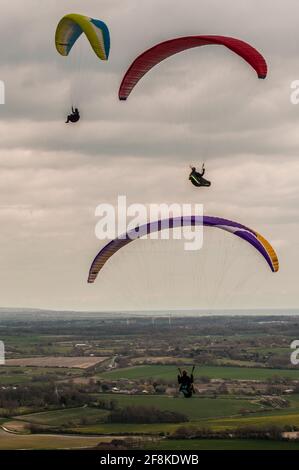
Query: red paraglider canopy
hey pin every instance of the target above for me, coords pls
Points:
(150, 58)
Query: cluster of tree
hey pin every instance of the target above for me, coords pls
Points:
(145, 415)
(43, 396)
(278, 379)
(69, 426)
(121, 444)
(274, 402)
(271, 432)
(109, 405)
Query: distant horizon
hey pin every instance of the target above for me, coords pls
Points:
(165, 313)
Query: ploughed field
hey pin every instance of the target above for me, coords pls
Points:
(69, 362)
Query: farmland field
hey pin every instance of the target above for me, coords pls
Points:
(68, 362)
(71, 383)
(199, 410)
(290, 419)
(19, 375)
(60, 417)
(196, 408)
(169, 372)
(223, 444)
(12, 441)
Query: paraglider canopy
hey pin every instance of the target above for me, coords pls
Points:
(150, 58)
(248, 235)
(73, 25)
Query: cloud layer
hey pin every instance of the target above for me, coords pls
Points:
(204, 105)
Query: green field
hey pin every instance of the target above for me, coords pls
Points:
(195, 408)
(260, 421)
(14, 379)
(168, 373)
(118, 429)
(222, 444)
(13, 375)
(198, 410)
(13, 441)
(203, 412)
(282, 417)
(61, 417)
(217, 414)
(26, 345)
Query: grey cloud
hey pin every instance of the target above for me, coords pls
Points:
(203, 105)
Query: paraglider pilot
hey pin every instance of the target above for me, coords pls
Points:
(74, 116)
(186, 383)
(196, 177)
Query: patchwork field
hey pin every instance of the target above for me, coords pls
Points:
(18, 375)
(217, 414)
(200, 411)
(52, 396)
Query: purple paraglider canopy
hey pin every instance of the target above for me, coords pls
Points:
(250, 236)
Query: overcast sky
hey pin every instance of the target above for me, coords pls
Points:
(205, 104)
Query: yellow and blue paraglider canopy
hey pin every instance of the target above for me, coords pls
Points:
(73, 25)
